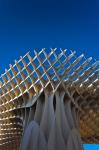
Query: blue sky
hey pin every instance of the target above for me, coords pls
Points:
(30, 24)
(91, 147)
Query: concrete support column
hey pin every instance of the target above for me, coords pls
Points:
(57, 128)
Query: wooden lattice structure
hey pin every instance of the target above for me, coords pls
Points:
(38, 77)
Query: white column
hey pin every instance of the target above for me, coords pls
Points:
(57, 128)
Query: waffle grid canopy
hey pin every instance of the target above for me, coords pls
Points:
(48, 71)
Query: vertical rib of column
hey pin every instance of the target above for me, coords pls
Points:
(48, 114)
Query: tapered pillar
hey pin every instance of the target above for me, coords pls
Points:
(57, 128)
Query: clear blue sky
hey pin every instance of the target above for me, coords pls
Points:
(29, 24)
(91, 147)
